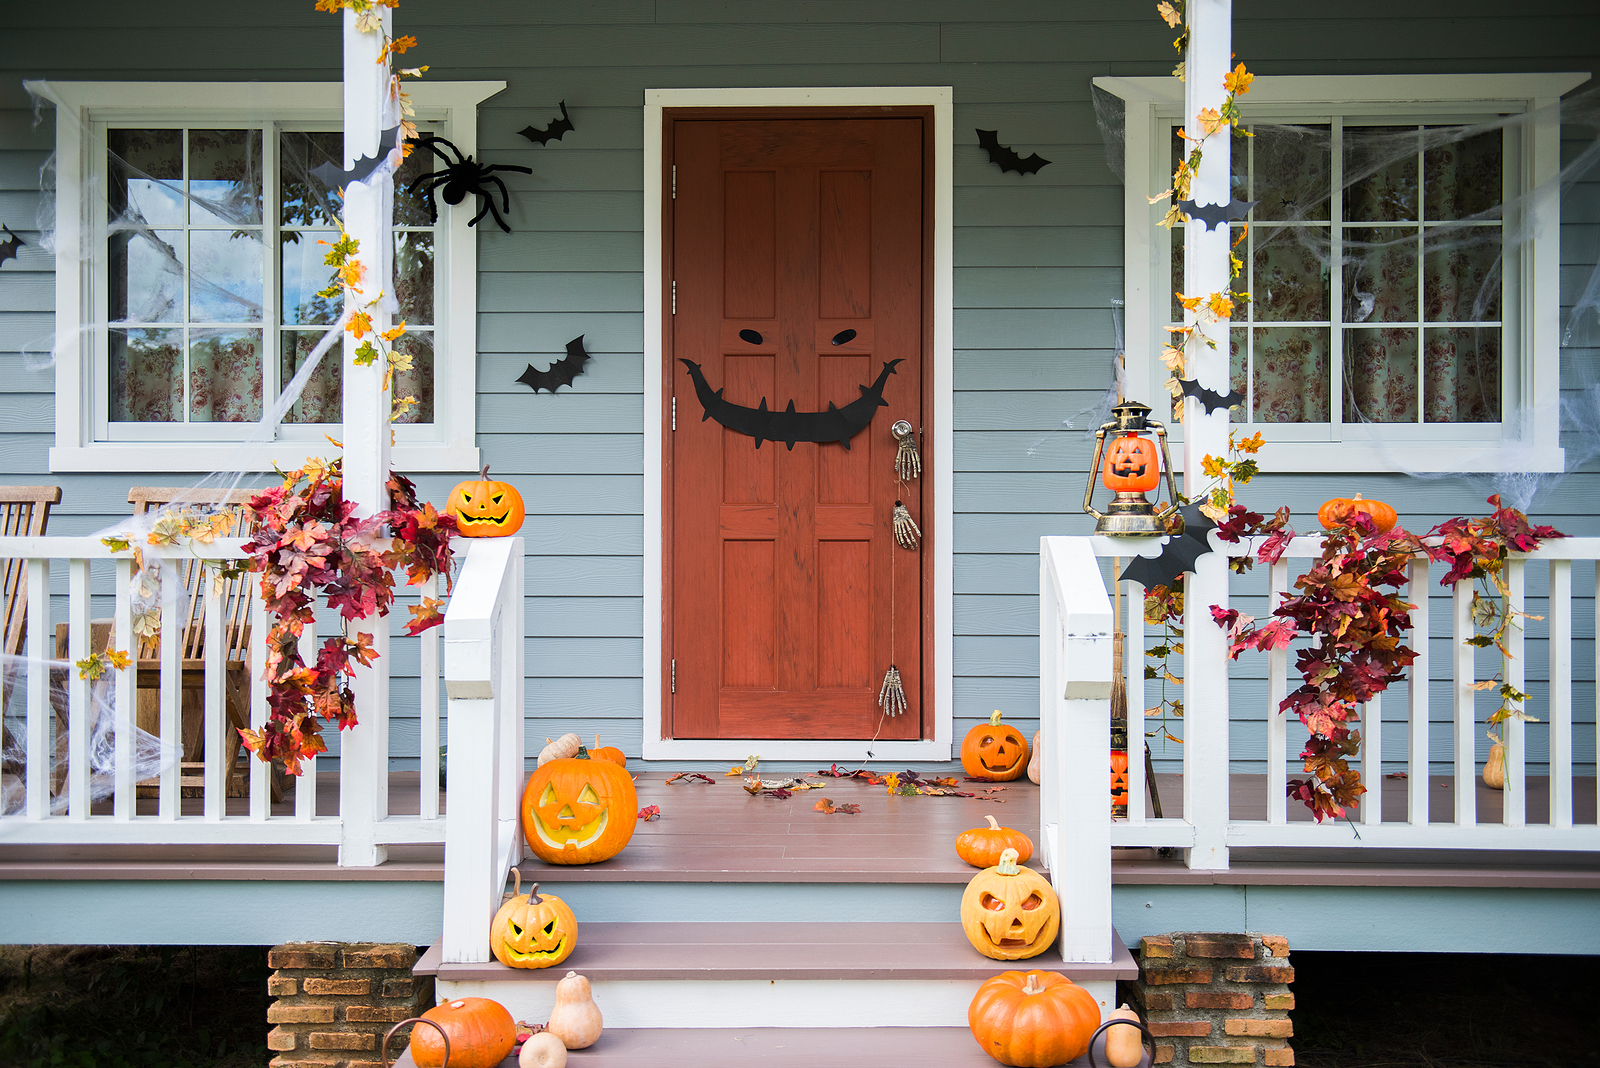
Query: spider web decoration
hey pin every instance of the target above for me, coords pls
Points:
(461, 176)
(561, 373)
(557, 129)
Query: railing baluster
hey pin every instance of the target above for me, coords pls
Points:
(40, 712)
(1133, 671)
(305, 787)
(1277, 690)
(1513, 733)
(79, 715)
(1560, 729)
(124, 796)
(171, 689)
(1372, 760)
(428, 756)
(1417, 762)
(260, 772)
(1465, 711)
(214, 649)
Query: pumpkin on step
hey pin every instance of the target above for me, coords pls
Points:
(1009, 912)
(608, 752)
(579, 811)
(1033, 1020)
(482, 1034)
(982, 847)
(994, 751)
(532, 930)
(486, 508)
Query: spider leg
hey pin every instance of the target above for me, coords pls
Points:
(490, 201)
(505, 197)
(485, 205)
(432, 143)
(436, 181)
(506, 167)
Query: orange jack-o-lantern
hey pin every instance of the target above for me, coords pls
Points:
(486, 508)
(1119, 778)
(532, 930)
(1010, 912)
(1132, 465)
(579, 811)
(995, 751)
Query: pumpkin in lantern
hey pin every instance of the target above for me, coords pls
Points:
(1132, 465)
(1033, 1019)
(1010, 912)
(532, 930)
(579, 811)
(1341, 510)
(1119, 778)
(994, 751)
(485, 507)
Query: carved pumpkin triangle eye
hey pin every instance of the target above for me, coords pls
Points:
(587, 796)
(514, 928)
(550, 927)
(549, 795)
(467, 497)
(498, 497)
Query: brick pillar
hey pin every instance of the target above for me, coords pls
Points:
(1216, 998)
(335, 1000)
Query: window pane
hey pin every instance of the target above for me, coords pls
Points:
(224, 376)
(303, 199)
(1461, 376)
(1291, 171)
(411, 205)
(146, 376)
(145, 276)
(1177, 272)
(1290, 282)
(1238, 372)
(418, 381)
(1463, 178)
(413, 276)
(1380, 166)
(304, 275)
(1291, 375)
(1380, 275)
(225, 176)
(1461, 275)
(146, 176)
(1380, 376)
(225, 276)
(321, 399)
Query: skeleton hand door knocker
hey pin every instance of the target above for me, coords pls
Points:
(907, 463)
(906, 532)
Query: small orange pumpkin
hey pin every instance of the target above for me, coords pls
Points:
(579, 811)
(994, 751)
(608, 752)
(1010, 912)
(486, 508)
(1033, 1019)
(1338, 511)
(1132, 465)
(482, 1034)
(982, 846)
(532, 930)
(1119, 779)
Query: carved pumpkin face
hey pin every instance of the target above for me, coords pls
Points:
(1119, 779)
(485, 508)
(1132, 465)
(579, 811)
(533, 930)
(995, 751)
(1010, 912)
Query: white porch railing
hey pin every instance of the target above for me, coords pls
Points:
(483, 672)
(89, 566)
(1069, 610)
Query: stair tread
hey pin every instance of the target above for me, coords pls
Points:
(734, 951)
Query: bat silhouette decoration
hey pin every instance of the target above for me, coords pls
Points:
(553, 132)
(1210, 398)
(335, 177)
(8, 247)
(1214, 215)
(1177, 556)
(561, 373)
(1007, 158)
(790, 426)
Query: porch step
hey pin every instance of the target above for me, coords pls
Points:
(767, 975)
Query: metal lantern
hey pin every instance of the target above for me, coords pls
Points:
(1131, 465)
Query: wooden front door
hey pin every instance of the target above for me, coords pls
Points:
(797, 255)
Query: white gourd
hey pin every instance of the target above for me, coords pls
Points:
(565, 746)
(543, 1050)
(576, 1018)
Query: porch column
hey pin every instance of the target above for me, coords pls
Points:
(1205, 271)
(368, 210)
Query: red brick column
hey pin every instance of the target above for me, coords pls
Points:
(1216, 998)
(335, 1001)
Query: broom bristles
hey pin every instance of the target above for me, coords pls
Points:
(1119, 680)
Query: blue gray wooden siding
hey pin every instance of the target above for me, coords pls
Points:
(1038, 261)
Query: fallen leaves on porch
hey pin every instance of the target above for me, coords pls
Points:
(1397, 775)
(779, 788)
(650, 812)
(829, 808)
(747, 767)
(692, 776)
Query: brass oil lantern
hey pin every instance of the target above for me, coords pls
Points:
(1130, 466)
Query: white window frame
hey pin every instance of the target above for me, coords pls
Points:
(84, 110)
(1529, 438)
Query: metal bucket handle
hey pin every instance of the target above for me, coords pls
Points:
(1140, 1024)
(384, 1049)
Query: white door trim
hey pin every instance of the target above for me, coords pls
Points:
(938, 522)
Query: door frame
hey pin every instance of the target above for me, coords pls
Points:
(938, 511)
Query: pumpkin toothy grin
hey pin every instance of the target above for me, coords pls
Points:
(558, 953)
(563, 836)
(1127, 470)
(498, 521)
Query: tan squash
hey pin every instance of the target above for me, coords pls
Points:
(565, 746)
(575, 1020)
(1494, 769)
(1034, 759)
(1124, 1045)
(543, 1050)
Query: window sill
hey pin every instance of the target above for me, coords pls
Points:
(232, 456)
(1463, 457)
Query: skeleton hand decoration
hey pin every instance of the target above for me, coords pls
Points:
(907, 463)
(892, 696)
(906, 532)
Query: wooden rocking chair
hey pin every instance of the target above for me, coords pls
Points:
(24, 512)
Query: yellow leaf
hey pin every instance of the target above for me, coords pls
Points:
(1191, 303)
(394, 332)
(1210, 121)
(1169, 13)
(1238, 81)
(1212, 467)
(1220, 305)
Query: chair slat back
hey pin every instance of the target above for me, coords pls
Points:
(236, 592)
(24, 512)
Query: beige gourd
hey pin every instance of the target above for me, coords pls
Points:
(543, 1050)
(565, 746)
(1033, 759)
(1124, 1045)
(576, 1018)
(1494, 769)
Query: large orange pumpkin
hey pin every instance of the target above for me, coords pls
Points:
(1009, 912)
(1034, 1019)
(1132, 465)
(995, 751)
(579, 811)
(481, 1032)
(486, 508)
(1337, 512)
(532, 930)
(982, 847)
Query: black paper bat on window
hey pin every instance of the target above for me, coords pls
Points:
(333, 176)
(1177, 556)
(8, 247)
(790, 426)
(561, 373)
(1007, 158)
(461, 176)
(553, 132)
(1214, 215)
(1210, 399)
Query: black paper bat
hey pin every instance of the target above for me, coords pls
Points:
(8, 248)
(1210, 399)
(561, 373)
(1007, 158)
(333, 176)
(1177, 556)
(1214, 214)
(790, 426)
(553, 132)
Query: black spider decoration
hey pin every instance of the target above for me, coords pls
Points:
(461, 176)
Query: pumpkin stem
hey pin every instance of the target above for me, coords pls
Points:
(994, 719)
(533, 894)
(483, 476)
(517, 875)
(1008, 863)
(582, 753)
(1031, 985)
(993, 826)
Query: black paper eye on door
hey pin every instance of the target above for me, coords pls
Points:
(790, 426)
(844, 337)
(752, 336)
